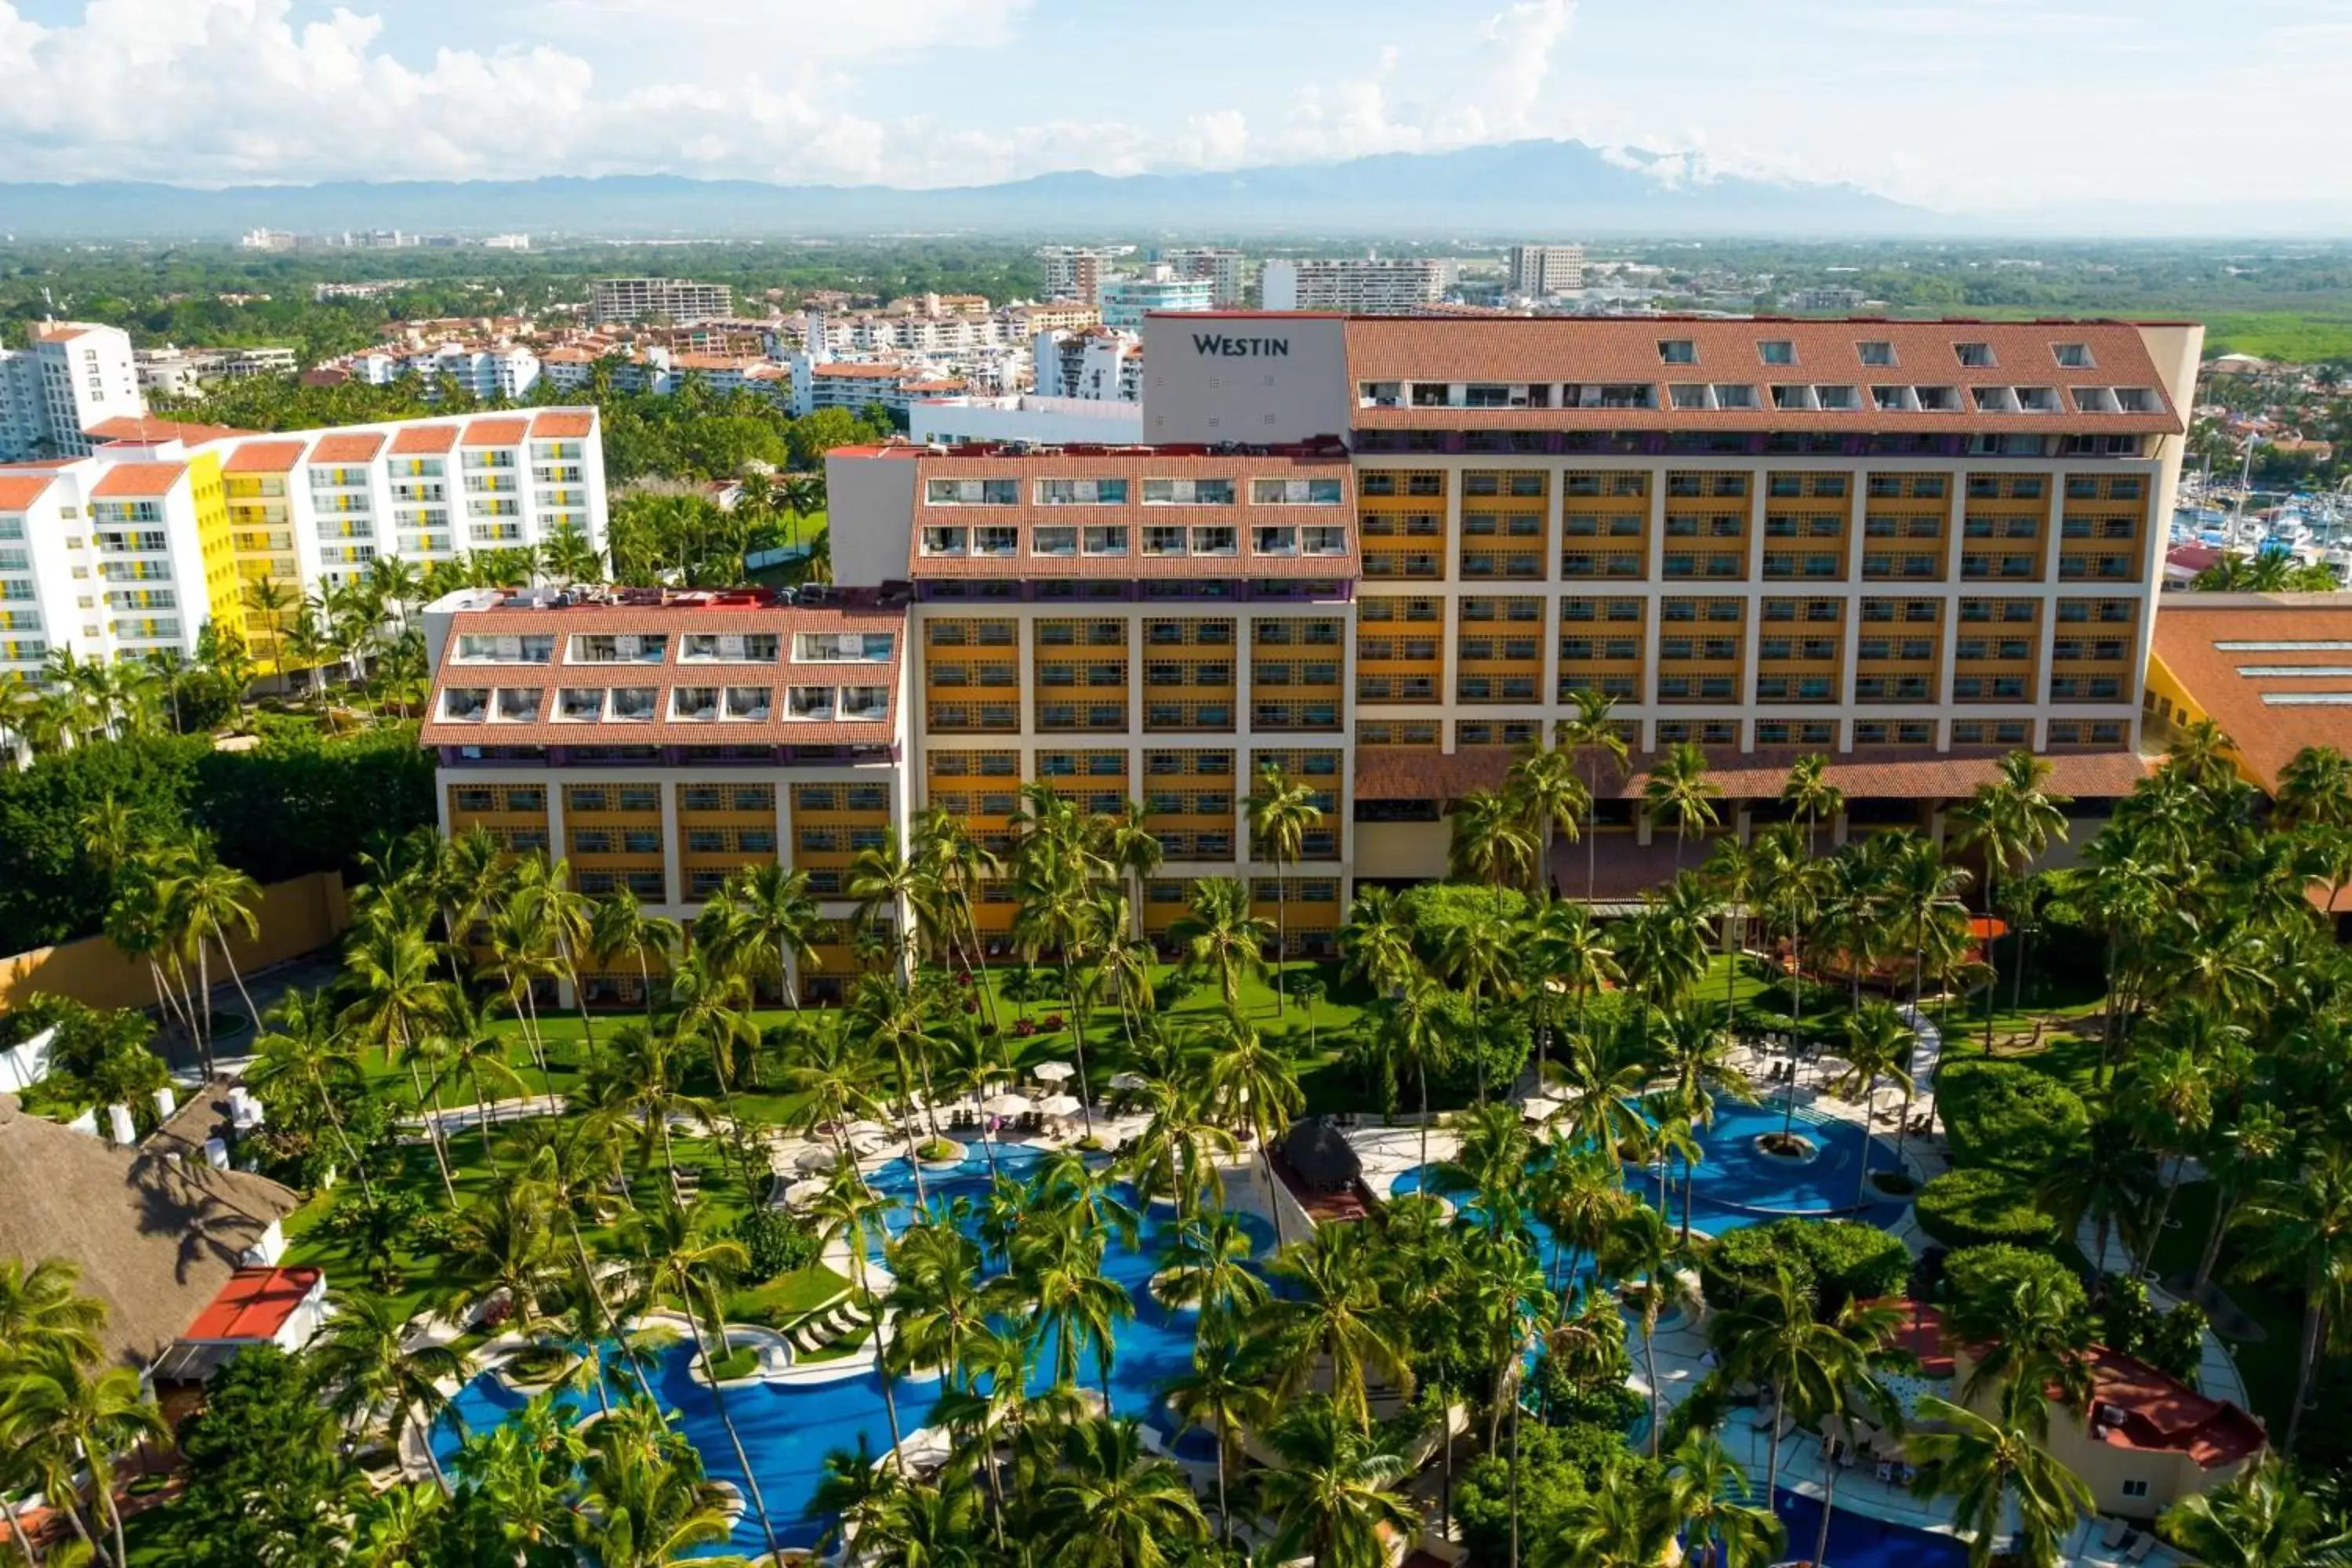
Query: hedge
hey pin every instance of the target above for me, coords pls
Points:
(2008, 1114)
(1977, 1279)
(292, 804)
(1973, 1208)
(1838, 1260)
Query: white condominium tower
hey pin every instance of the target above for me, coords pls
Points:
(72, 377)
(1360, 285)
(1538, 270)
(612, 301)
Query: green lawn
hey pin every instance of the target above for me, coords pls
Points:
(788, 1297)
(425, 1278)
(2301, 337)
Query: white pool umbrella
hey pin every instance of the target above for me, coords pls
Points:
(1006, 1105)
(1060, 1105)
(1127, 1080)
(1054, 1072)
(816, 1157)
(802, 1192)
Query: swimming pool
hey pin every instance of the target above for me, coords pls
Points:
(1857, 1540)
(788, 1428)
(1736, 1184)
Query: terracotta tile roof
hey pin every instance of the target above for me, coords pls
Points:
(417, 440)
(142, 430)
(138, 480)
(870, 371)
(2132, 1405)
(255, 1304)
(674, 621)
(1625, 350)
(1404, 773)
(1134, 465)
(358, 448)
(559, 424)
(2232, 683)
(59, 335)
(264, 458)
(18, 491)
(496, 432)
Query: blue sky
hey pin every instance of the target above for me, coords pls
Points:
(1971, 106)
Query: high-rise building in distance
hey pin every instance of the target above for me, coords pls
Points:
(1359, 285)
(72, 377)
(1076, 271)
(612, 301)
(1538, 270)
(1224, 269)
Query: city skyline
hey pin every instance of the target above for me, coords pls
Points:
(1816, 90)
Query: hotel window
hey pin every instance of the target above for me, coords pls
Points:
(1777, 350)
(1105, 540)
(1687, 393)
(1877, 351)
(1081, 492)
(634, 704)
(580, 704)
(758, 648)
(1677, 351)
(972, 492)
(1188, 492)
(1296, 493)
(2074, 357)
(1162, 540)
(1974, 356)
(1053, 541)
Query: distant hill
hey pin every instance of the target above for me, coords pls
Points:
(1535, 188)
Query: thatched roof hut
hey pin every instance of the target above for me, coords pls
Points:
(1320, 1156)
(156, 1238)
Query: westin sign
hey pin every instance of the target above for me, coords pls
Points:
(1212, 344)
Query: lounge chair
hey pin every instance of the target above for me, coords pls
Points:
(2139, 1549)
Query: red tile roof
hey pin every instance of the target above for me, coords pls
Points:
(141, 480)
(254, 1305)
(420, 439)
(59, 335)
(496, 432)
(141, 430)
(561, 424)
(1594, 350)
(675, 621)
(358, 448)
(2132, 1405)
(1404, 773)
(2232, 683)
(264, 458)
(18, 491)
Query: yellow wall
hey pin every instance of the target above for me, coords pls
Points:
(224, 589)
(296, 917)
(2163, 687)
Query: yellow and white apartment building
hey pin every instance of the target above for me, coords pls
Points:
(165, 526)
(1387, 552)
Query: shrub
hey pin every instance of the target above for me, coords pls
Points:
(1977, 1279)
(1303, 986)
(1436, 910)
(2008, 1114)
(777, 1242)
(1971, 1208)
(2176, 1342)
(1491, 1045)
(1838, 1260)
(100, 1057)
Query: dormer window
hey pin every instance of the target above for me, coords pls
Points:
(1877, 351)
(1677, 351)
(1777, 350)
(465, 704)
(1974, 356)
(517, 705)
(2074, 357)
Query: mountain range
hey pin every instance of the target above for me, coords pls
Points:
(1531, 188)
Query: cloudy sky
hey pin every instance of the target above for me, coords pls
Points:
(1963, 105)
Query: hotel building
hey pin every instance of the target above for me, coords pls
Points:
(72, 377)
(1389, 554)
(165, 526)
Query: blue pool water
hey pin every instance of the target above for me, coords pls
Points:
(1856, 1541)
(788, 1429)
(1739, 1184)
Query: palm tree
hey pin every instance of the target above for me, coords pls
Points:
(396, 1002)
(1330, 1312)
(2301, 1229)
(1410, 1031)
(1549, 789)
(207, 899)
(621, 928)
(2105, 1176)
(1877, 1045)
(1252, 1086)
(1069, 1297)
(1639, 1241)
(55, 1403)
(1590, 729)
(1622, 1524)
(2009, 822)
(850, 1211)
(681, 1255)
(378, 1377)
(471, 1046)
(1989, 1468)
(1679, 791)
(1710, 1497)
(1490, 841)
(2034, 1342)
(1224, 1393)
(1220, 935)
(643, 1487)
(2261, 1519)
(779, 911)
(1110, 1505)
(1280, 812)
(1328, 1491)
(1770, 1336)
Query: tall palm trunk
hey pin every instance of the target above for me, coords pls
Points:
(734, 1438)
(2308, 1355)
(32, 1550)
(252, 1015)
(1079, 1033)
(1828, 1505)
(881, 1351)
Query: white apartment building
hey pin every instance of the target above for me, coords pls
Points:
(1025, 416)
(163, 526)
(182, 373)
(616, 300)
(1076, 271)
(858, 384)
(1126, 300)
(1224, 269)
(1360, 285)
(503, 370)
(1538, 270)
(72, 377)
(506, 242)
(1099, 364)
